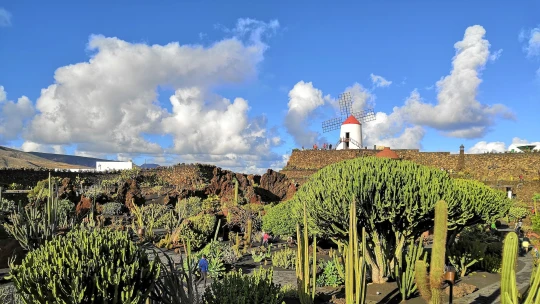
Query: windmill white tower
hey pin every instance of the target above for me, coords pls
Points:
(350, 135)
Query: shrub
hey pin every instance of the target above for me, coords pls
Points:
(284, 258)
(112, 208)
(518, 211)
(101, 266)
(197, 230)
(536, 223)
(330, 275)
(189, 207)
(279, 220)
(236, 287)
(490, 263)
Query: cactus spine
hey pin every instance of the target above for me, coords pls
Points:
(430, 289)
(302, 264)
(509, 292)
(355, 265)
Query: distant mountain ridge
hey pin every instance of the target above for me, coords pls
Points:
(11, 158)
(81, 161)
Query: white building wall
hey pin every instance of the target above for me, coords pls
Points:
(110, 166)
(355, 132)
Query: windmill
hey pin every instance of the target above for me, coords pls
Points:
(350, 136)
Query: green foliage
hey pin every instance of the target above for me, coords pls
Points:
(509, 289)
(536, 223)
(279, 220)
(41, 190)
(289, 291)
(466, 252)
(330, 274)
(189, 207)
(305, 295)
(405, 269)
(112, 208)
(396, 201)
(176, 285)
(197, 230)
(355, 262)
(518, 211)
(15, 186)
(431, 287)
(37, 223)
(101, 266)
(285, 258)
(153, 216)
(491, 263)
(238, 288)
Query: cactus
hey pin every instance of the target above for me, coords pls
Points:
(249, 232)
(431, 288)
(32, 226)
(217, 230)
(302, 264)
(405, 272)
(101, 266)
(235, 192)
(176, 285)
(509, 292)
(355, 263)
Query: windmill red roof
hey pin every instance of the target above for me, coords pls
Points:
(351, 121)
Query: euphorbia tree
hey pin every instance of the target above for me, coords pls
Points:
(395, 201)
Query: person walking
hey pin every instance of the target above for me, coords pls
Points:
(203, 268)
(266, 236)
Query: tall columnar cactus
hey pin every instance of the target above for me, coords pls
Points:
(32, 226)
(302, 264)
(235, 191)
(509, 290)
(405, 272)
(355, 264)
(431, 288)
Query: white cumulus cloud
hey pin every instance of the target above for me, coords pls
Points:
(457, 112)
(499, 146)
(109, 104)
(304, 99)
(379, 81)
(13, 116)
(531, 38)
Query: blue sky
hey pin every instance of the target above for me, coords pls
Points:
(281, 65)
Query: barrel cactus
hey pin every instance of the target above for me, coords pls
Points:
(99, 266)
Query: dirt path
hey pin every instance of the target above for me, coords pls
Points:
(491, 293)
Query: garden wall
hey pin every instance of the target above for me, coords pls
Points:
(492, 168)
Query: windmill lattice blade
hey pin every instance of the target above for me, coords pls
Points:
(366, 115)
(345, 103)
(331, 124)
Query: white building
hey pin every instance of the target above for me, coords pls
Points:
(515, 147)
(350, 134)
(110, 166)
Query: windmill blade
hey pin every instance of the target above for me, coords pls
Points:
(331, 124)
(365, 116)
(345, 103)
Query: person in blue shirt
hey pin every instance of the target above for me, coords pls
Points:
(203, 268)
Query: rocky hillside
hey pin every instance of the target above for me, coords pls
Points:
(203, 180)
(11, 158)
